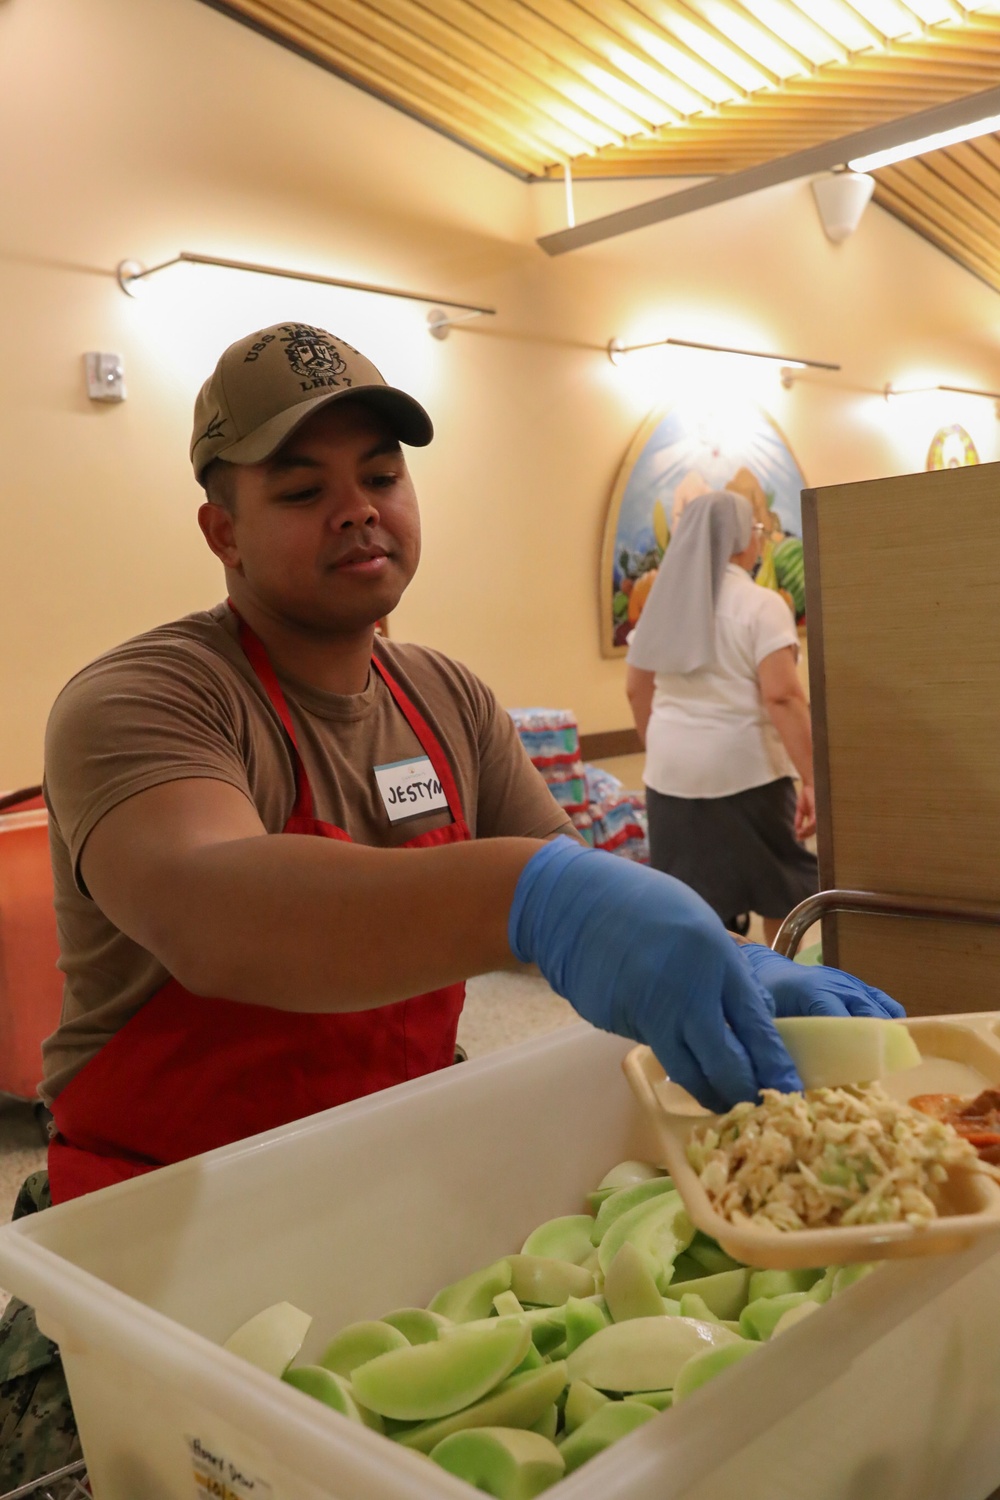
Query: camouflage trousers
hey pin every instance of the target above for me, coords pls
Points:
(37, 1430)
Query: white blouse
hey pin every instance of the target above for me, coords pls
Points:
(709, 734)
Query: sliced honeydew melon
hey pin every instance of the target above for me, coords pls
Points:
(545, 1282)
(660, 1227)
(626, 1173)
(548, 1425)
(711, 1256)
(837, 1051)
(334, 1391)
(701, 1368)
(582, 1320)
(846, 1276)
(508, 1463)
(271, 1338)
(605, 1427)
(623, 1201)
(643, 1354)
(518, 1401)
(360, 1342)
(505, 1304)
(758, 1319)
(658, 1400)
(582, 1400)
(426, 1381)
(777, 1283)
(693, 1306)
(727, 1293)
(565, 1238)
(630, 1288)
(794, 1315)
(416, 1324)
(472, 1298)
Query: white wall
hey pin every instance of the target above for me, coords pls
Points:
(139, 130)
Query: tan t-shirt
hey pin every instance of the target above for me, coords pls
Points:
(183, 701)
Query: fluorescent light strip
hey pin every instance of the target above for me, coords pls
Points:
(936, 142)
(616, 349)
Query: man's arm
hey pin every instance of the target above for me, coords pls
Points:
(188, 871)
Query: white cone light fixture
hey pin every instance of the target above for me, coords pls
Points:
(841, 199)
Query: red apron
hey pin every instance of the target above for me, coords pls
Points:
(186, 1074)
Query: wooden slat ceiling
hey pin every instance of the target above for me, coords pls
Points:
(678, 87)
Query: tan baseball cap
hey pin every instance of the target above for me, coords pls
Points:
(266, 385)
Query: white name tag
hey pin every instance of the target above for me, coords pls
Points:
(410, 787)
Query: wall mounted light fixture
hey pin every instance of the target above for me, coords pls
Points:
(131, 273)
(617, 351)
(889, 391)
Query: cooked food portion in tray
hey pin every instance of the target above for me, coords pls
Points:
(975, 1120)
(825, 1158)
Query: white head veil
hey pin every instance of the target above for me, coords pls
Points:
(676, 630)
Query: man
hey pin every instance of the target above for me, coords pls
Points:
(205, 958)
(281, 843)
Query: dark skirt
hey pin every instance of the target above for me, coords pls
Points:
(739, 853)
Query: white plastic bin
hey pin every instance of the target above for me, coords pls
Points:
(890, 1393)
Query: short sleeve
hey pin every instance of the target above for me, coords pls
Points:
(125, 724)
(773, 625)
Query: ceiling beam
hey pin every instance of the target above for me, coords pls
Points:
(769, 174)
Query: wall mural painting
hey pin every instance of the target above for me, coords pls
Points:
(678, 454)
(951, 448)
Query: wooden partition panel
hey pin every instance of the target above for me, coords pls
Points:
(903, 581)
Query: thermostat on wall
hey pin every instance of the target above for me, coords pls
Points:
(105, 377)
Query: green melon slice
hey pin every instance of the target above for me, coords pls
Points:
(701, 1368)
(334, 1391)
(623, 1200)
(726, 1293)
(834, 1051)
(794, 1315)
(360, 1342)
(508, 1463)
(778, 1283)
(658, 1400)
(605, 1427)
(630, 1288)
(518, 1401)
(625, 1173)
(416, 1324)
(471, 1298)
(583, 1318)
(660, 1227)
(548, 1425)
(271, 1338)
(542, 1281)
(758, 1319)
(643, 1354)
(565, 1238)
(425, 1381)
(582, 1400)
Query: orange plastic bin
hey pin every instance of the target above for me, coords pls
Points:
(30, 984)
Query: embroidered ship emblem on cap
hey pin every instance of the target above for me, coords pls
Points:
(311, 354)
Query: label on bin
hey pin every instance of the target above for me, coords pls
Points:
(217, 1475)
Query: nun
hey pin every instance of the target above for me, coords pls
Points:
(714, 687)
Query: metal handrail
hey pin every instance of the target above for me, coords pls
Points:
(877, 904)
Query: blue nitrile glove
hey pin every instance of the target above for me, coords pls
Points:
(815, 990)
(640, 954)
